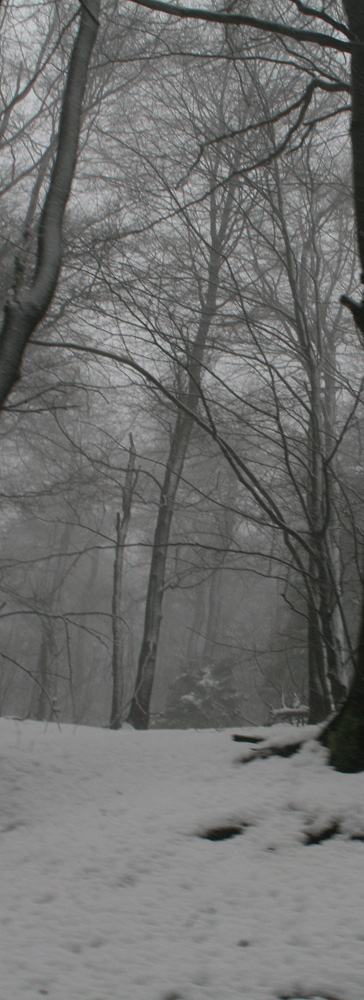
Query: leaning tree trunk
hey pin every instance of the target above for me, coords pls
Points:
(26, 306)
(219, 233)
(122, 525)
(140, 705)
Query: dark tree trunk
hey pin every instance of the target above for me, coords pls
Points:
(140, 705)
(117, 629)
(320, 694)
(344, 735)
(26, 306)
(354, 10)
(319, 700)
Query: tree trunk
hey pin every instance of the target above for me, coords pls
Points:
(44, 692)
(43, 700)
(321, 647)
(220, 223)
(140, 705)
(122, 525)
(213, 613)
(344, 735)
(26, 306)
(80, 655)
(354, 10)
(319, 695)
(317, 355)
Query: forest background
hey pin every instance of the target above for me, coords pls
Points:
(182, 455)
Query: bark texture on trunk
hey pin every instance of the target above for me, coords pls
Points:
(344, 735)
(26, 306)
(319, 699)
(354, 10)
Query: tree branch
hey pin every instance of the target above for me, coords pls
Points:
(260, 24)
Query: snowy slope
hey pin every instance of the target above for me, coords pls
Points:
(109, 892)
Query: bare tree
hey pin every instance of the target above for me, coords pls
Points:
(345, 735)
(300, 26)
(209, 240)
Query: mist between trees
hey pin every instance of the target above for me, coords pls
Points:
(181, 382)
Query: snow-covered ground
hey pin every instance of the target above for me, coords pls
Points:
(109, 891)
